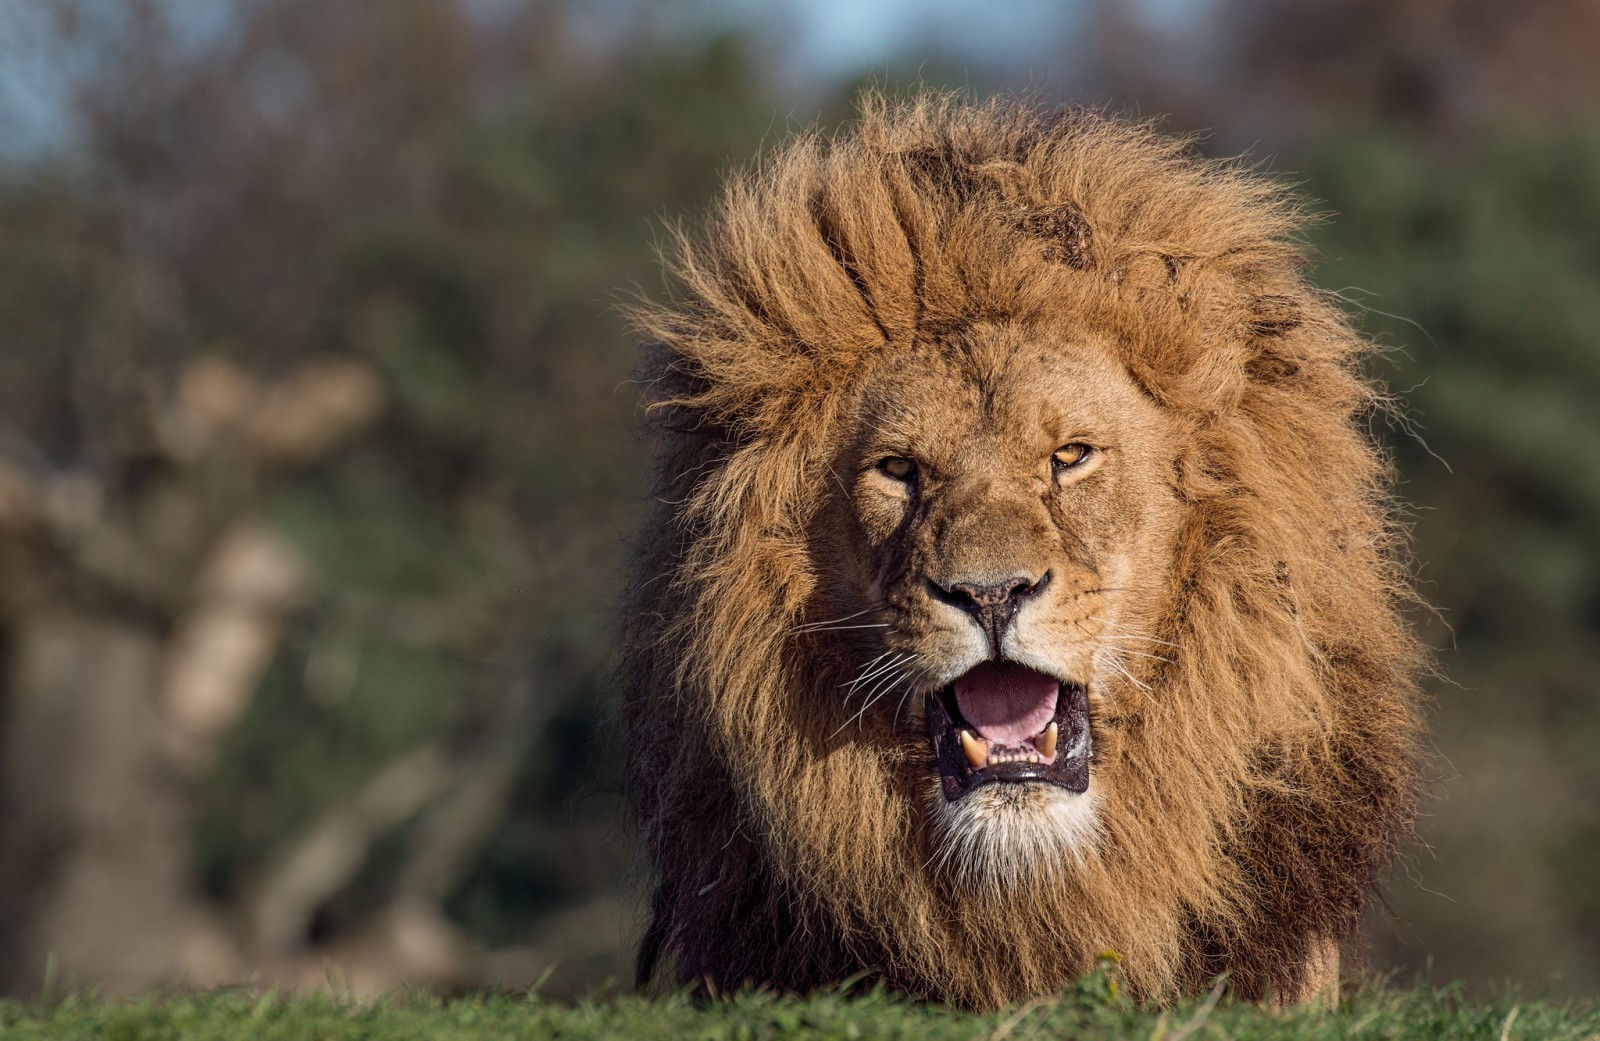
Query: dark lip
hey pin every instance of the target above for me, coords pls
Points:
(958, 778)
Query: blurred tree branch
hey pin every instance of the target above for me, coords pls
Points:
(313, 473)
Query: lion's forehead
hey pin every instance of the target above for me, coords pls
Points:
(998, 386)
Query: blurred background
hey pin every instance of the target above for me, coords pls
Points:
(318, 455)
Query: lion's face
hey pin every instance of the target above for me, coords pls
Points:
(1011, 527)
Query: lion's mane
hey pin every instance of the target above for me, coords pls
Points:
(1259, 791)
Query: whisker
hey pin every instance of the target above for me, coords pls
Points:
(1142, 654)
(1129, 677)
(836, 628)
(1115, 662)
(842, 618)
(802, 627)
(903, 671)
(874, 661)
(882, 687)
(1113, 633)
(910, 690)
(869, 672)
(1117, 666)
(885, 684)
(886, 670)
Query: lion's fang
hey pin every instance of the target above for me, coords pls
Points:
(1047, 741)
(977, 749)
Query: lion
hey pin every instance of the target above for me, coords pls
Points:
(1021, 584)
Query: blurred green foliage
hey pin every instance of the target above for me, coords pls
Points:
(1478, 267)
(504, 481)
(461, 212)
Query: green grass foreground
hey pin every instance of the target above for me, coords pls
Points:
(1092, 1011)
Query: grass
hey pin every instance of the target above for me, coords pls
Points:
(1092, 1011)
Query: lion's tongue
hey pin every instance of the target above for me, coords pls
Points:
(1005, 702)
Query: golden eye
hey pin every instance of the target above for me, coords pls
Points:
(1068, 456)
(898, 467)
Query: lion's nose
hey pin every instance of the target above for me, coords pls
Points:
(992, 604)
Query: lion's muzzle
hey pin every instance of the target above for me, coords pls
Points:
(992, 605)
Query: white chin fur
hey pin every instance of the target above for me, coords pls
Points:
(1003, 834)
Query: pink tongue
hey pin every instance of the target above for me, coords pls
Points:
(1006, 702)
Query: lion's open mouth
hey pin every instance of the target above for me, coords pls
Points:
(1004, 722)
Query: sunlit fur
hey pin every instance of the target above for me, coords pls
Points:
(1006, 836)
(1252, 772)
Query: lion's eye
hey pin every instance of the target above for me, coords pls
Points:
(898, 467)
(1068, 456)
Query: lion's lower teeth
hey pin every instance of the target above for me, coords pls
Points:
(981, 752)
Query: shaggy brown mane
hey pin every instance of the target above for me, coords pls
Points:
(1256, 797)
